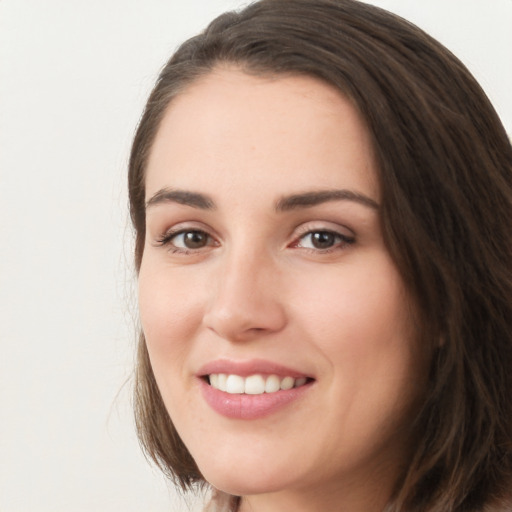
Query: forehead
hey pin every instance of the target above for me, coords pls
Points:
(261, 132)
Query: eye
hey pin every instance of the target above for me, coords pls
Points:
(190, 239)
(186, 240)
(323, 240)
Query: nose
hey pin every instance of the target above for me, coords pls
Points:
(246, 299)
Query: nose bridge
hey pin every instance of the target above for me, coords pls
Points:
(245, 299)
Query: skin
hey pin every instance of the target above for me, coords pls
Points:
(260, 288)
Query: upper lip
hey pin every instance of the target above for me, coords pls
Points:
(251, 367)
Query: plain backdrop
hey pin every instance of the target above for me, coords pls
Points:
(74, 76)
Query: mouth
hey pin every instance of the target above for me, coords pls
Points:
(251, 390)
(256, 384)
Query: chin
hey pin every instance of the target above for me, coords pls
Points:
(247, 481)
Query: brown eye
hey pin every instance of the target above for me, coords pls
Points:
(190, 239)
(323, 240)
(187, 241)
(195, 239)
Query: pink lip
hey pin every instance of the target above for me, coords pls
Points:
(249, 407)
(246, 368)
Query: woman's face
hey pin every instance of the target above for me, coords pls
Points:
(264, 267)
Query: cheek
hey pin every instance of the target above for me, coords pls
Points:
(170, 313)
(355, 306)
(361, 321)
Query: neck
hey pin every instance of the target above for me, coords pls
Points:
(367, 495)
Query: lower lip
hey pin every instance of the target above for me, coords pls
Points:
(250, 407)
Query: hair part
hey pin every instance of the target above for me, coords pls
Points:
(445, 172)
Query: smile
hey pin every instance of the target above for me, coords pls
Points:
(256, 384)
(252, 389)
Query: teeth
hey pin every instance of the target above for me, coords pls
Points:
(300, 382)
(235, 384)
(272, 384)
(287, 383)
(254, 384)
(221, 383)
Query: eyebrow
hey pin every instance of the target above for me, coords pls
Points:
(310, 199)
(185, 197)
(286, 203)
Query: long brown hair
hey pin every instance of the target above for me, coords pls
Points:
(445, 172)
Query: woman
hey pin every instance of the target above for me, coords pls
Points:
(322, 198)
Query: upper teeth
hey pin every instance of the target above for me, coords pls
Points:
(254, 384)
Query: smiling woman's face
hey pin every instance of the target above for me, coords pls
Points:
(264, 267)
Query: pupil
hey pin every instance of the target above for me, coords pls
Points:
(195, 239)
(323, 239)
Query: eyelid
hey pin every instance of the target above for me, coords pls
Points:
(346, 235)
(165, 238)
(332, 227)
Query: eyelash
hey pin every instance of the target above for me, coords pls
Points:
(168, 237)
(341, 241)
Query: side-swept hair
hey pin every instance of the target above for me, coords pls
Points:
(445, 172)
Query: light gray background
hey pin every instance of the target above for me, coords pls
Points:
(73, 79)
